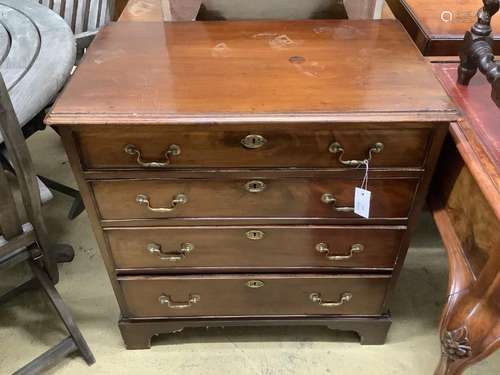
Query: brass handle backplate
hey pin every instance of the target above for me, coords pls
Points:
(344, 298)
(179, 199)
(172, 150)
(253, 141)
(167, 300)
(336, 148)
(323, 248)
(330, 199)
(185, 249)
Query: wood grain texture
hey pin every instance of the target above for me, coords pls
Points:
(470, 327)
(229, 295)
(438, 27)
(221, 146)
(181, 94)
(229, 248)
(184, 79)
(465, 200)
(482, 128)
(473, 218)
(286, 198)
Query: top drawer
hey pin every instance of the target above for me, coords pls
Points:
(253, 146)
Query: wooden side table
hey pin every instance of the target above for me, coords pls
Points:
(465, 196)
(465, 200)
(438, 27)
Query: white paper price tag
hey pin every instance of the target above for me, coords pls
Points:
(362, 202)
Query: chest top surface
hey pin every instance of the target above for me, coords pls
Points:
(252, 71)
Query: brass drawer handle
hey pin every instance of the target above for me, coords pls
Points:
(178, 200)
(344, 298)
(330, 199)
(336, 148)
(185, 249)
(253, 141)
(172, 150)
(167, 300)
(323, 248)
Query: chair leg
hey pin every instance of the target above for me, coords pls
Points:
(77, 207)
(49, 358)
(62, 253)
(27, 285)
(63, 311)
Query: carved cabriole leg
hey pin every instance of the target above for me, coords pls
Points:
(470, 325)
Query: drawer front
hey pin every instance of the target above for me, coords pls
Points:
(256, 294)
(255, 146)
(254, 247)
(249, 198)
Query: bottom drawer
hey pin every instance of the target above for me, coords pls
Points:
(257, 294)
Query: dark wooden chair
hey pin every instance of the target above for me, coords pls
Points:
(478, 53)
(85, 18)
(29, 242)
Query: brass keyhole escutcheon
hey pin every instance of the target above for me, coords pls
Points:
(255, 186)
(255, 284)
(255, 234)
(253, 141)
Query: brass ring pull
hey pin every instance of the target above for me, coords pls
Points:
(336, 148)
(323, 248)
(344, 298)
(330, 199)
(167, 300)
(185, 249)
(178, 200)
(172, 150)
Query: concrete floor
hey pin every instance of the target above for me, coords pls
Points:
(28, 325)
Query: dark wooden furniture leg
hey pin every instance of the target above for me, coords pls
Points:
(77, 206)
(470, 328)
(64, 313)
(478, 51)
(470, 324)
(137, 334)
(31, 243)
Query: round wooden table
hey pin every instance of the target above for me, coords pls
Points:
(37, 53)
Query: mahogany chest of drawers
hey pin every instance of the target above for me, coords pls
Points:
(218, 162)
